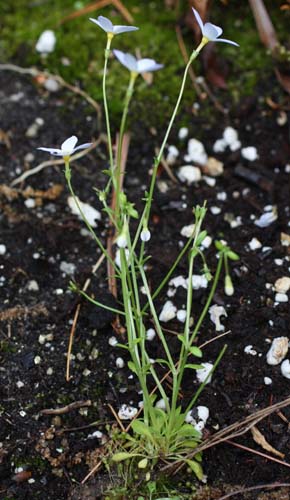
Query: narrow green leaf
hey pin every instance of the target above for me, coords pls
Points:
(196, 468)
(131, 367)
(140, 428)
(123, 455)
(143, 463)
(193, 366)
(196, 351)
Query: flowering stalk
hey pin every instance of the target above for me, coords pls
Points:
(107, 55)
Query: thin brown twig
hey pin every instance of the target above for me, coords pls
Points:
(94, 469)
(166, 167)
(256, 452)
(254, 488)
(117, 418)
(76, 316)
(66, 409)
(99, 5)
(35, 73)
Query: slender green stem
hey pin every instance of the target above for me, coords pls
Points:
(118, 173)
(97, 240)
(157, 161)
(99, 304)
(107, 55)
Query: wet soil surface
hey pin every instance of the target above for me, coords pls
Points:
(43, 245)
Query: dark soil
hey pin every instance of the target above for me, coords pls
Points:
(55, 451)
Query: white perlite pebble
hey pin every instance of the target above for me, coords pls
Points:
(178, 281)
(250, 153)
(19, 384)
(278, 350)
(183, 133)
(196, 152)
(282, 285)
(255, 244)
(267, 381)
(168, 312)
(198, 417)
(161, 404)
(281, 297)
(249, 350)
(113, 341)
(46, 42)
(206, 242)
(67, 268)
(51, 84)
(127, 412)
(32, 286)
(89, 212)
(285, 368)
(230, 135)
(30, 203)
(199, 281)
(120, 363)
(215, 210)
(203, 372)
(37, 360)
(2, 249)
(189, 174)
(187, 231)
(150, 334)
(216, 312)
(181, 315)
(172, 155)
(219, 146)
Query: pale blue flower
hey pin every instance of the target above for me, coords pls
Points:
(67, 148)
(137, 65)
(210, 31)
(108, 27)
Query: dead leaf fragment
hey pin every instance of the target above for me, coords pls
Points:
(285, 239)
(260, 439)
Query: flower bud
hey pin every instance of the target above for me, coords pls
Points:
(122, 240)
(145, 234)
(229, 288)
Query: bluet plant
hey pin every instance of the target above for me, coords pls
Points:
(158, 433)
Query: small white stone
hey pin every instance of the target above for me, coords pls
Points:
(206, 242)
(187, 231)
(150, 334)
(189, 174)
(172, 155)
(161, 404)
(203, 372)
(278, 350)
(96, 434)
(49, 371)
(249, 350)
(127, 412)
(219, 146)
(235, 145)
(183, 133)
(222, 196)
(282, 285)
(287, 168)
(250, 153)
(120, 363)
(267, 381)
(32, 286)
(214, 167)
(216, 312)
(46, 42)
(210, 181)
(22, 413)
(281, 297)
(86, 372)
(199, 281)
(94, 353)
(51, 84)
(255, 244)
(29, 203)
(278, 262)
(31, 480)
(196, 152)
(200, 419)
(178, 281)
(67, 268)
(19, 384)
(285, 368)
(168, 312)
(230, 135)
(37, 360)
(113, 341)
(181, 315)
(215, 210)
(2, 249)
(89, 212)
(58, 291)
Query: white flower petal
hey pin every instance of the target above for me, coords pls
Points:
(146, 65)
(104, 23)
(123, 29)
(198, 18)
(227, 41)
(129, 61)
(82, 146)
(68, 145)
(52, 151)
(211, 31)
